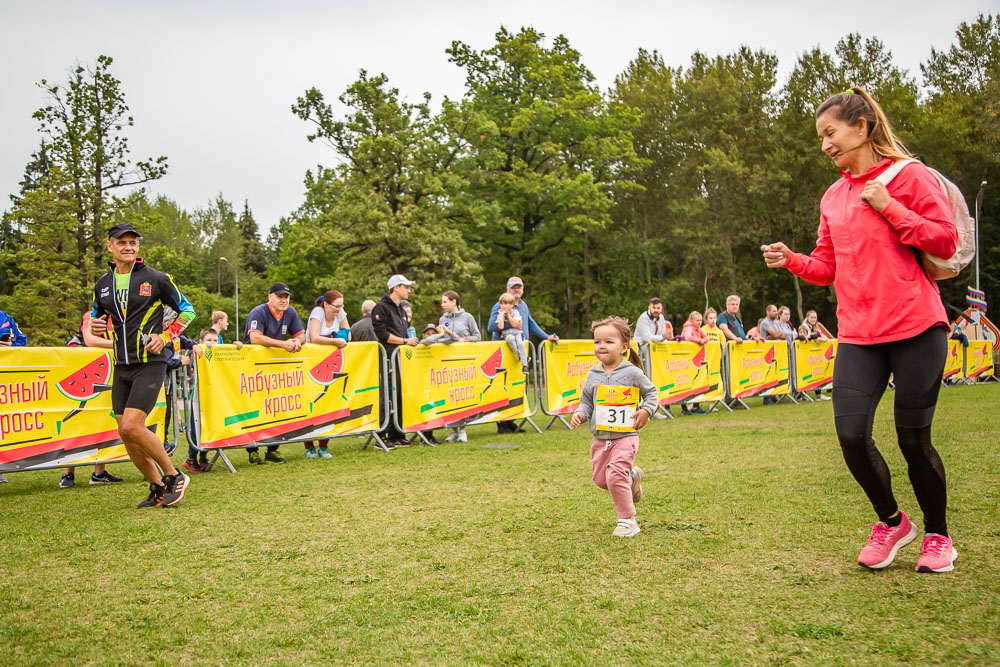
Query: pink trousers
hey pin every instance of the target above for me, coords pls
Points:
(613, 470)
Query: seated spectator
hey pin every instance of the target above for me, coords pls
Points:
(362, 330)
(692, 333)
(711, 326)
(510, 324)
(651, 327)
(84, 338)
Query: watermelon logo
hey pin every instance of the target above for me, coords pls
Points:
(769, 356)
(491, 368)
(698, 360)
(327, 372)
(86, 383)
(493, 364)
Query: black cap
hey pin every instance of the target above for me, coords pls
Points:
(430, 326)
(121, 230)
(279, 289)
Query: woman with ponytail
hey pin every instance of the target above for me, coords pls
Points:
(327, 325)
(891, 319)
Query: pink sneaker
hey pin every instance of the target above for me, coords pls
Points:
(937, 554)
(885, 541)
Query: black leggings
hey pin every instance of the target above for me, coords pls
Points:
(860, 376)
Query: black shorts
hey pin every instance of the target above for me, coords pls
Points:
(137, 386)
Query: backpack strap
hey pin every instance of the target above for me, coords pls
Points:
(886, 176)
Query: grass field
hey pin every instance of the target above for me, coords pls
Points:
(461, 554)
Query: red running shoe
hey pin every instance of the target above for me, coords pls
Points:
(885, 541)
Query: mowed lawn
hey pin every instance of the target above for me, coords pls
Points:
(462, 554)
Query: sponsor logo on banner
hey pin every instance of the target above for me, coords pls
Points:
(814, 362)
(264, 395)
(566, 366)
(686, 372)
(461, 384)
(758, 369)
(953, 360)
(979, 359)
(55, 409)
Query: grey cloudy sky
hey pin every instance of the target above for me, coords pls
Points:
(210, 83)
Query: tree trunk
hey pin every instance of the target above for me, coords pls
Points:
(798, 296)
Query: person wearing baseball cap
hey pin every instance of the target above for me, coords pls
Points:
(121, 230)
(391, 326)
(515, 287)
(273, 324)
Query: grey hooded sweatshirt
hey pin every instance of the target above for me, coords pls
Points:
(461, 324)
(625, 375)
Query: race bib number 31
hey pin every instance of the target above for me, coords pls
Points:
(615, 408)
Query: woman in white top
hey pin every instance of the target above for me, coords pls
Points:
(327, 325)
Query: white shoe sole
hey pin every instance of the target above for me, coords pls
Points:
(635, 530)
(909, 537)
(948, 568)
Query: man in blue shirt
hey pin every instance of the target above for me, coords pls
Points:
(10, 335)
(515, 287)
(274, 324)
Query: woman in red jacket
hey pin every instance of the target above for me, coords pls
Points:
(891, 319)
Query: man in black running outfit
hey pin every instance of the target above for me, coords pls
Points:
(133, 296)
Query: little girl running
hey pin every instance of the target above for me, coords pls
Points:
(612, 451)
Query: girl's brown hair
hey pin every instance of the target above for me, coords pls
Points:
(329, 297)
(453, 296)
(625, 331)
(856, 103)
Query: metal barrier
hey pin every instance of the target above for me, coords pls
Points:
(194, 411)
(397, 406)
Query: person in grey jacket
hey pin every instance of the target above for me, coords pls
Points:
(612, 452)
(651, 327)
(455, 325)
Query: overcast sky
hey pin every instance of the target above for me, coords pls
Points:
(210, 83)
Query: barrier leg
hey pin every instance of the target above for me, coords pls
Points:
(736, 402)
(219, 454)
(379, 443)
(422, 439)
(789, 397)
(665, 411)
(520, 427)
(554, 419)
(804, 396)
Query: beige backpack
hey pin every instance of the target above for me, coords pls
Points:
(940, 268)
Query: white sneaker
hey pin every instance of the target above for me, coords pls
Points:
(453, 436)
(462, 437)
(626, 528)
(823, 397)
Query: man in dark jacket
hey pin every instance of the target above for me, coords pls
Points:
(363, 329)
(390, 324)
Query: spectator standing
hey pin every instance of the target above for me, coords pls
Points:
(785, 324)
(391, 324)
(769, 328)
(651, 326)
(327, 325)
(456, 326)
(889, 313)
(692, 333)
(528, 326)
(10, 335)
(711, 326)
(100, 474)
(362, 330)
(220, 323)
(273, 324)
(729, 321)
(811, 329)
(196, 461)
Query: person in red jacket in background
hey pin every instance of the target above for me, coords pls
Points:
(890, 315)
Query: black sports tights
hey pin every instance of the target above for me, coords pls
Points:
(860, 376)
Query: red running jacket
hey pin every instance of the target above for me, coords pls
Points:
(883, 293)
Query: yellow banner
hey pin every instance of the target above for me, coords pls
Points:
(686, 372)
(566, 366)
(758, 369)
(55, 408)
(979, 359)
(461, 384)
(264, 395)
(814, 364)
(953, 361)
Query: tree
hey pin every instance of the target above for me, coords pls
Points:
(386, 208)
(543, 154)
